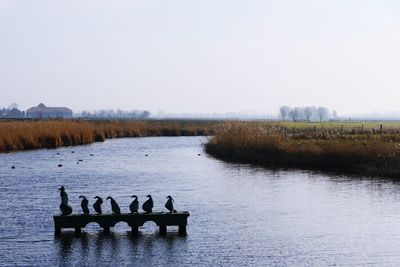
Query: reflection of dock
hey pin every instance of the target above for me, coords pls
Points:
(106, 221)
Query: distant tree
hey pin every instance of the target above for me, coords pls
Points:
(284, 111)
(322, 113)
(334, 114)
(294, 114)
(309, 112)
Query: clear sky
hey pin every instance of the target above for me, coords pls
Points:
(201, 56)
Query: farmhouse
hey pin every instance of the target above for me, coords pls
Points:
(43, 112)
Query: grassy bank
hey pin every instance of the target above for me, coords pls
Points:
(24, 135)
(367, 149)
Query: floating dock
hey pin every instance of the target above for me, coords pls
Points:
(134, 220)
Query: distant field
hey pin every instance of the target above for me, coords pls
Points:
(25, 134)
(371, 148)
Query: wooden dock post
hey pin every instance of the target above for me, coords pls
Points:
(182, 229)
(77, 230)
(163, 229)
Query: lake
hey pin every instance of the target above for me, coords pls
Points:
(241, 215)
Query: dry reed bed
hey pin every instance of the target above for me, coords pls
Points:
(24, 135)
(367, 152)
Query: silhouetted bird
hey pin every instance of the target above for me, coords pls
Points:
(13, 167)
(97, 205)
(58, 153)
(148, 205)
(80, 159)
(170, 204)
(64, 207)
(72, 151)
(91, 155)
(134, 206)
(114, 206)
(85, 205)
(59, 165)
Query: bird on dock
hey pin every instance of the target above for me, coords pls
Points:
(170, 204)
(85, 205)
(148, 205)
(114, 206)
(64, 207)
(97, 205)
(134, 206)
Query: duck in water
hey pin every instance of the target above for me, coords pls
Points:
(97, 205)
(114, 206)
(170, 204)
(134, 206)
(148, 205)
(85, 205)
(64, 207)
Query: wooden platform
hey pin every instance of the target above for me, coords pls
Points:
(106, 221)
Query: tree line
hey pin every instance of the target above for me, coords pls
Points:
(310, 113)
(113, 114)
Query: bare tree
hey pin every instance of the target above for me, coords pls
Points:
(309, 112)
(294, 114)
(322, 113)
(284, 110)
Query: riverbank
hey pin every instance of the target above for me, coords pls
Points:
(26, 135)
(372, 150)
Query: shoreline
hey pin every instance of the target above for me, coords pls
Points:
(367, 155)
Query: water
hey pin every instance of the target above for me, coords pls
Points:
(241, 215)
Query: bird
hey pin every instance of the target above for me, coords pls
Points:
(170, 204)
(59, 165)
(58, 153)
(134, 206)
(85, 205)
(91, 155)
(64, 207)
(114, 206)
(97, 205)
(148, 205)
(72, 151)
(80, 159)
(13, 167)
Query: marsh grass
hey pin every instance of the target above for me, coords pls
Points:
(367, 150)
(24, 135)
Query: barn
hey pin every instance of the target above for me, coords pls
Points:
(43, 112)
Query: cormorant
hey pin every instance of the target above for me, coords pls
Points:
(114, 206)
(64, 207)
(97, 205)
(134, 206)
(170, 204)
(148, 205)
(85, 205)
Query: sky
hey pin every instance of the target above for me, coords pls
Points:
(201, 56)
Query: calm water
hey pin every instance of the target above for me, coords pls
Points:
(240, 215)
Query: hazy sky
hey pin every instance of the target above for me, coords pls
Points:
(201, 56)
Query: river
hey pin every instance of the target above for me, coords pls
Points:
(241, 215)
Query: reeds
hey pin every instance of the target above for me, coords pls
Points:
(24, 135)
(370, 151)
